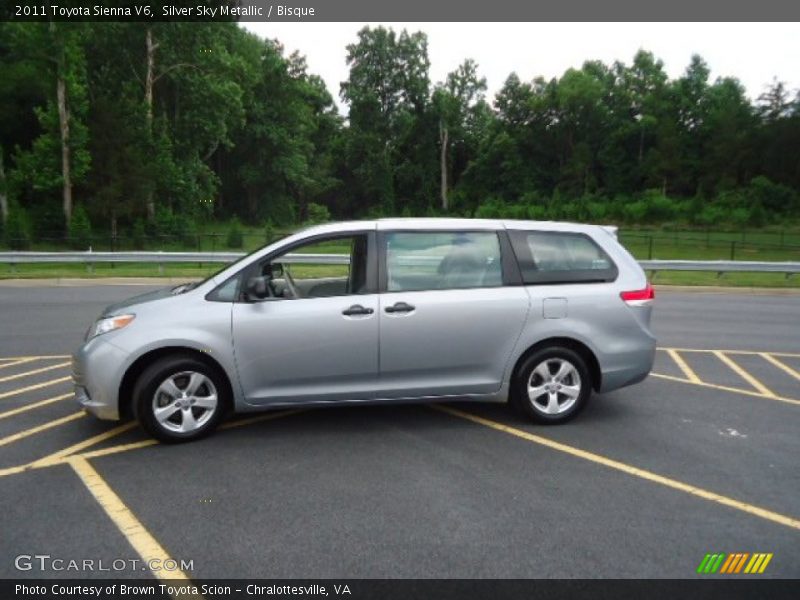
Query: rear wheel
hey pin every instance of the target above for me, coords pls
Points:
(552, 385)
(180, 398)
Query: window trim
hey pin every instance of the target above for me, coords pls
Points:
(519, 243)
(510, 274)
(254, 267)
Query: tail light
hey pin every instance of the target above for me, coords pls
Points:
(643, 297)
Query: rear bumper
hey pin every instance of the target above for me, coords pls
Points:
(628, 367)
(97, 369)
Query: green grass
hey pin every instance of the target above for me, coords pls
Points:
(667, 247)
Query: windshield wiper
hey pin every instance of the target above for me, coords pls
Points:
(184, 287)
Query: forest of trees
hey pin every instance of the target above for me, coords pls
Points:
(163, 127)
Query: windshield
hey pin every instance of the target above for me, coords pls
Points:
(185, 287)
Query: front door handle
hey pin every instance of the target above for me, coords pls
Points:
(400, 307)
(357, 309)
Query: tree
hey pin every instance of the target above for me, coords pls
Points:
(3, 190)
(774, 103)
(387, 92)
(58, 157)
(454, 101)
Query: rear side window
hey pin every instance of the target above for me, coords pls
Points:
(442, 260)
(561, 257)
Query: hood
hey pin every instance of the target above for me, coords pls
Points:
(167, 292)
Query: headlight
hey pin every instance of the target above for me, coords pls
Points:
(107, 324)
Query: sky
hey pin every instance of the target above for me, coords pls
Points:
(752, 52)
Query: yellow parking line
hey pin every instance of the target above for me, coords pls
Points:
(33, 430)
(259, 418)
(57, 456)
(725, 388)
(625, 468)
(13, 470)
(34, 372)
(137, 535)
(744, 374)
(119, 448)
(686, 369)
(43, 463)
(37, 386)
(14, 363)
(785, 368)
(27, 407)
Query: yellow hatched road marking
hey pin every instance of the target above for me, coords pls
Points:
(726, 388)
(27, 407)
(14, 363)
(625, 468)
(785, 368)
(52, 460)
(57, 456)
(745, 352)
(686, 369)
(33, 430)
(744, 374)
(34, 372)
(134, 531)
(37, 386)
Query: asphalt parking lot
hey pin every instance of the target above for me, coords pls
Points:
(700, 458)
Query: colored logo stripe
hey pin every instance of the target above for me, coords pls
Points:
(734, 563)
(710, 563)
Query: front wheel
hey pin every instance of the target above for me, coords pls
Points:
(552, 385)
(179, 398)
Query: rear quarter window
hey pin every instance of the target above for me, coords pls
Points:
(553, 257)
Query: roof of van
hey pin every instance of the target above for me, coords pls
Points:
(432, 223)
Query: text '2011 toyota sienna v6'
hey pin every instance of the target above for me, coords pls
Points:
(398, 310)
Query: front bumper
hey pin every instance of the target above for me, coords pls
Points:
(97, 370)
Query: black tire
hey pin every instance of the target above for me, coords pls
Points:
(181, 368)
(552, 357)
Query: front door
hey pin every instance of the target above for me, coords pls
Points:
(315, 337)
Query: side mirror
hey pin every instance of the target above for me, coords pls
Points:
(257, 288)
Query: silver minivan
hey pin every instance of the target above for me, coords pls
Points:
(538, 314)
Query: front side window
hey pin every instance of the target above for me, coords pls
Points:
(561, 257)
(319, 269)
(442, 260)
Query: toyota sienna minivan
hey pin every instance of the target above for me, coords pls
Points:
(538, 314)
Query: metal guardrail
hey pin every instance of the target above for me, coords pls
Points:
(157, 258)
(721, 266)
(162, 258)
